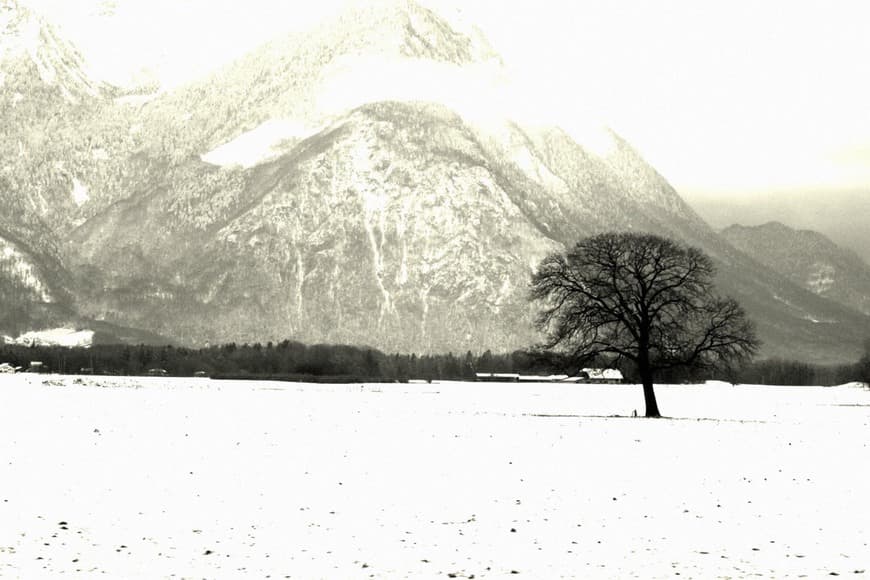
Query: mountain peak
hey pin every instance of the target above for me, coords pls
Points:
(404, 28)
(26, 37)
(427, 34)
(386, 50)
(776, 229)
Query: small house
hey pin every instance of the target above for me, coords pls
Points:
(603, 376)
(36, 366)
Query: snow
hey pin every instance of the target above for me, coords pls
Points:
(603, 374)
(55, 337)
(822, 277)
(154, 477)
(99, 154)
(17, 264)
(79, 192)
(257, 145)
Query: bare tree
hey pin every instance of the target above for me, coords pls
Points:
(643, 298)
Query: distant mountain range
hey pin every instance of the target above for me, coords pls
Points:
(839, 215)
(809, 259)
(339, 184)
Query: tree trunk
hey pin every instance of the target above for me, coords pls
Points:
(649, 395)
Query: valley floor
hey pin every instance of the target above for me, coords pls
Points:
(191, 478)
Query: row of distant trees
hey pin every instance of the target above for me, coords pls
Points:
(286, 359)
(294, 360)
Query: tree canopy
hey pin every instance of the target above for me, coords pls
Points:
(641, 298)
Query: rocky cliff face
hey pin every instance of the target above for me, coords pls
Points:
(391, 227)
(809, 259)
(337, 185)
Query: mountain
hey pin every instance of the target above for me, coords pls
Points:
(809, 259)
(839, 215)
(357, 182)
(405, 226)
(41, 83)
(53, 113)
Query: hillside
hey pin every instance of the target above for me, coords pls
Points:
(809, 259)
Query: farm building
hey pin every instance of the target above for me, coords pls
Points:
(498, 377)
(36, 366)
(549, 379)
(606, 376)
(516, 377)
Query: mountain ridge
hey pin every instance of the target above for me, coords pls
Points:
(808, 258)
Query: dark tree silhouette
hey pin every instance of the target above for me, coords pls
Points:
(639, 297)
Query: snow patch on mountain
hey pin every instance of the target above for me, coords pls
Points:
(257, 145)
(79, 192)
(67, 337)
(822, 277)
(18, 266)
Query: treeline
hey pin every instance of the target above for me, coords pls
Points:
(286, 359)
(297, 361)
(776, 372)
(787, 372)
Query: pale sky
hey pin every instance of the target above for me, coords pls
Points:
(723, 98)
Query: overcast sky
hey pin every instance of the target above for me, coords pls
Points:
(724, 98)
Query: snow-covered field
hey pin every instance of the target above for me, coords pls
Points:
(189, 478)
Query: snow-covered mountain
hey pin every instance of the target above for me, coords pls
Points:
(368, 180)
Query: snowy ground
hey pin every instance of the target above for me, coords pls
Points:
(188, 478)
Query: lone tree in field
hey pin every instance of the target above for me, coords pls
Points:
(643, 298)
